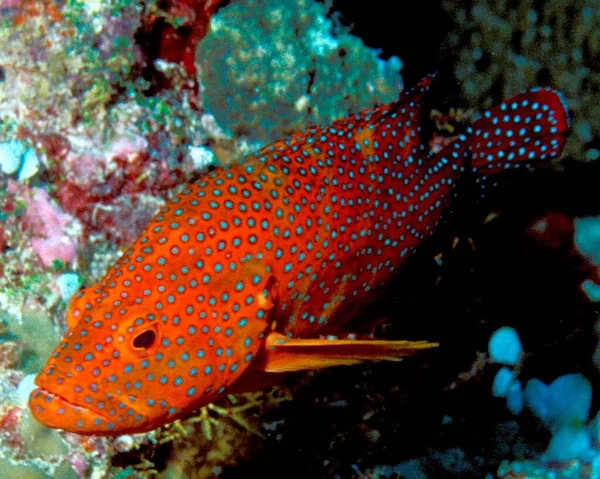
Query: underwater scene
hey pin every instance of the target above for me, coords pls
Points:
(299, 239)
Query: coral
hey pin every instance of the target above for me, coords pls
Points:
(269, 68)
(17, 158)
(82, 121)
(77, 66)
(177, 26)
(35, 248)
(108, 164)
(48, 225)
(505, 346)
(37, 335)
(10, 354)
(111, 187)
(68, 284)
(503, 47)
(563, 406)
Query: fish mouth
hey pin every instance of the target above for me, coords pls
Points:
(55, 411)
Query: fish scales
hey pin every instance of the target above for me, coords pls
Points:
(287, 244)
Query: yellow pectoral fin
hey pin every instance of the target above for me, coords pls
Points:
(287, 355)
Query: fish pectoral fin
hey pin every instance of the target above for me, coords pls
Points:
(282, 354)
(80, 298)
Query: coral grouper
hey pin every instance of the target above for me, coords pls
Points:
(250, 270)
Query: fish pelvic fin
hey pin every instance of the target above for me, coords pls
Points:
(284, 355)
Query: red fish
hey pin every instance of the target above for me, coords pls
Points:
(247, 271)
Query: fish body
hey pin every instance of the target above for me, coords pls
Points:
(248, 268)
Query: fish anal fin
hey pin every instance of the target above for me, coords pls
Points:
(282, 354)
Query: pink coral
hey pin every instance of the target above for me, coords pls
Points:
(114, 189)
(48, 224)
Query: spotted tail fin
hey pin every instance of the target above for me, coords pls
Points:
(524, 130)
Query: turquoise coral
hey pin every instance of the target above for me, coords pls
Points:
(269, 74)
(563, 406)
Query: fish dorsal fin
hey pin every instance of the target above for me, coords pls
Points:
(394, 126)
(282, 354)
(410, 102)
(418, 93)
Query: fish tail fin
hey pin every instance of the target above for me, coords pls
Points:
(282, 354)
(524, 130)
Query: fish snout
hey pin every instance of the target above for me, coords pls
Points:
(54, 411)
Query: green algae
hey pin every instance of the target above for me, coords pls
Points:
(22, 471)
(36, 331)
(39, 336)
(45, 454)
(39, 440)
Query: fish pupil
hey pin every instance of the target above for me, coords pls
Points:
(144, 340)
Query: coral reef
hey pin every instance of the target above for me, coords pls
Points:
(68, 72)
(85, 158)
(82, 120)
(563, 406)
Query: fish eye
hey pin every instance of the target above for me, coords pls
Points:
(145, 340)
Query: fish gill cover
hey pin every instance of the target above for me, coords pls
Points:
(102, 116)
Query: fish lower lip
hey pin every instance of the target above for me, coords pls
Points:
(55, 411)
(67, 402)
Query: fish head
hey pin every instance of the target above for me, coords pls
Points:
(126, 367)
